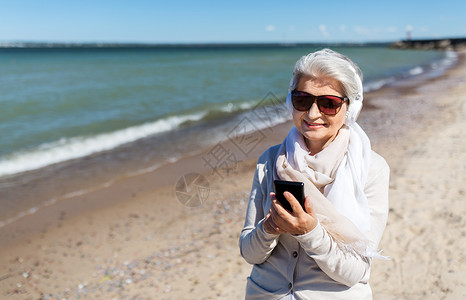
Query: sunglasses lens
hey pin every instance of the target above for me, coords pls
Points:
(329, 104)
(301, 101)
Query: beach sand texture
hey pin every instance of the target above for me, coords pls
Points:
(150, 246)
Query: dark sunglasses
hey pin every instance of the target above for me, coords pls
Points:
(327, 104)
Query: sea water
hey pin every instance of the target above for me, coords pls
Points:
(59, 104)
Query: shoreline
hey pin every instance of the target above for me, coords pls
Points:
(77, 181)
(137, 239)
(120, 189)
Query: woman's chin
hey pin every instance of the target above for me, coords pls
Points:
(314, 131)
(316, 139)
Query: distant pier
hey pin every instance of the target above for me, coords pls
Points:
(437, 44)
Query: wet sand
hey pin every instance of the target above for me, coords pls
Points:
(134, 239)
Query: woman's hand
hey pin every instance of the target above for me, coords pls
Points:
(279, 220)
(270, 226)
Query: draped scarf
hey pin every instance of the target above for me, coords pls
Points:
(334, 179)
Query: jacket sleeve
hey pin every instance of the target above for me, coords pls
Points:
(255, 243)
(343, 267)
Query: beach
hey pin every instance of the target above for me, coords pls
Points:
(136, 237)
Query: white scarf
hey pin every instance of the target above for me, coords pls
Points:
(334, 178)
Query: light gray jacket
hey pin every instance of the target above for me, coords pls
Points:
(310, 264)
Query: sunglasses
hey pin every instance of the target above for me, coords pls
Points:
(327, 104)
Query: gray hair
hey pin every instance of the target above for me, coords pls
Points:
(328, 63)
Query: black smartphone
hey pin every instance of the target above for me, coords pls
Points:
(294, 187)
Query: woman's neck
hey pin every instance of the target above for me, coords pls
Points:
(315, 147)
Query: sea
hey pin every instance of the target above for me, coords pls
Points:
(143, 107)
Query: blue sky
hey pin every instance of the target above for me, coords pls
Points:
(230, 21)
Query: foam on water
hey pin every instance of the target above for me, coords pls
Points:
(72, 148)
(433, 69)
(416, 71)
(77, 147)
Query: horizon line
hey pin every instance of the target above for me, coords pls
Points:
(107, 44)
(44, 44)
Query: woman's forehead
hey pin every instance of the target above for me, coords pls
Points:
(322, 82)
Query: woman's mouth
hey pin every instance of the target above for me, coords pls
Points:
(314, 125)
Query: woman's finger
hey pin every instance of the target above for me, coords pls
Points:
(308, 206)
(274, 226)
(295, 205)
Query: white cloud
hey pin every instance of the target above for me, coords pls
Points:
(361, 30)
(375, 30)
(342, 28)
(392, 29)
(323, 30)
(270, 28)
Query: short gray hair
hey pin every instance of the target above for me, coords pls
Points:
(328, 63)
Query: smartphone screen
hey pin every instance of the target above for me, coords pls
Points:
(294, 187)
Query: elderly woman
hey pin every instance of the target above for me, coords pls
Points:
(324, 250)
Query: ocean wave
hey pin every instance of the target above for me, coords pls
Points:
(449, 60)
(434, 69)
(377, 84)
(416, 71)
(231, 108)
(76, 147)
(219, 111)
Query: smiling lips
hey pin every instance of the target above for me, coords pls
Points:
(314, 125)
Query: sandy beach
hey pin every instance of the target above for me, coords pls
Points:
(137, 239)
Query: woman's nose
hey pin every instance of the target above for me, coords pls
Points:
(314, 111)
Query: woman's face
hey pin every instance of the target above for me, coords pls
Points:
(317, 128)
